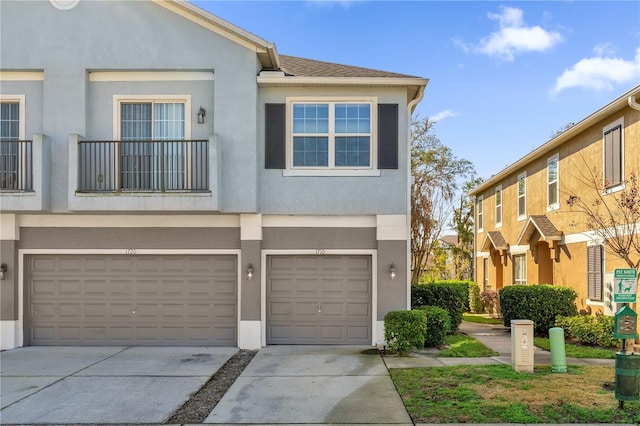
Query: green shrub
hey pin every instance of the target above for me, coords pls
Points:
(404, 329)
(475, 302)
(438, 325)
(589, 330)
(453, 296)
(538, 303)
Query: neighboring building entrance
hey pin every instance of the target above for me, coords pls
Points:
(150, 300)
(319, 299)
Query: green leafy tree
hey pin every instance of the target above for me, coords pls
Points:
(462, 223)
(435, 173)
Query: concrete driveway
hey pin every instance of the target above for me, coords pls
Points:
(312, 384)
(102, 384)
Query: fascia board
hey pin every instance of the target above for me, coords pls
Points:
(339, 81)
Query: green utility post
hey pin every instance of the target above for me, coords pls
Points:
(626, 327)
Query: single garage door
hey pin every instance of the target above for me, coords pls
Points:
(131, 300)
(319, 300)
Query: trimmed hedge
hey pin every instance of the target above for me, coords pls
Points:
(453, 296)
(538, 303)
(589, 330)
(438, 325)
(404, 329)
(475, 301)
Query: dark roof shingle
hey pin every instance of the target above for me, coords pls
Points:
(302, 67)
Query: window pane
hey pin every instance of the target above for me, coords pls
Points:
(311, 118)
(135, 122)
(553, 193)
(9, 121)
(353, 151)
(168, 121)
(310, 151)
(353, 118)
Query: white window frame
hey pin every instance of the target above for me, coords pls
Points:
(485, 274)
(372, 170)
(522, 177)
(20, 100)
(520, 280)
(498, 199)
(553, 206)
(480, 213)
(605, 129)
(120, 99)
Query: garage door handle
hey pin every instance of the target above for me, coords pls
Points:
(319, 307)
(133, 310)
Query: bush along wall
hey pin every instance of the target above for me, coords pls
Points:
(438, 325)
(590, 330)
(404, 330)
(538, 303)
(452, 296)
(475, 301)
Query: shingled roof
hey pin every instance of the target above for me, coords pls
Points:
(302, 67)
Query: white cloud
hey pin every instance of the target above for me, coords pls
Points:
(515, 37)
(600, 72)
(442, 115)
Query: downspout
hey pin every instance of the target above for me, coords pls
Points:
(410, 108)
(633, 103)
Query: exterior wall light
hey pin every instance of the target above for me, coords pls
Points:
(201, 114)
(392, 271)
(250, 271)
(3, 270)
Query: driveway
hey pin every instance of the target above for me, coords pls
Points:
(312, 384)
(102, 384)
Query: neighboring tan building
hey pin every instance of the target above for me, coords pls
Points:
(169, 179)
(526, 232)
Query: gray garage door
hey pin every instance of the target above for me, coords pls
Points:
(131, 300)
(319, 300)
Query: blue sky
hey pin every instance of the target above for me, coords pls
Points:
(503, 75)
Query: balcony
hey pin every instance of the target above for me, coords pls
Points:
(24, 174)
(16, 166)
(143, 175)
(143, 166)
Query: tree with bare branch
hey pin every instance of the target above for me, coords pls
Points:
(435, 173)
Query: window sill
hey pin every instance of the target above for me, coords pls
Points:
(333, 172)
(594, 302)
(612, 189)
(553, 207)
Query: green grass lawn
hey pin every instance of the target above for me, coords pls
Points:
(497, 394)
(463, 346)
(480, 319)
(577, 351)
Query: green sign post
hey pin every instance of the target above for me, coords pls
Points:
(625, 285)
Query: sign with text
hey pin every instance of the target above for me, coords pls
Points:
(625, 285)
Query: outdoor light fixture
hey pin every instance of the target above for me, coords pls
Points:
(201, 114)
(250, 271)
(392, 271)
(3, 269)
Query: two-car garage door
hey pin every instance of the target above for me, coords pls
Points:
(155, 300)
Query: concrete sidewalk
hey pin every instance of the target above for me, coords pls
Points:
(494, 336)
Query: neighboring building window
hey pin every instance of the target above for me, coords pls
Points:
(594, 273)
(522, 196)
(613, 151)
(332, 135)
(552, 183)
(480, 214)
(519, 269)
(498, 196)
(9, 121)
(485, 273)
(15, 156)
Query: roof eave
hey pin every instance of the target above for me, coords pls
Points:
(340, 81)
(554, 143)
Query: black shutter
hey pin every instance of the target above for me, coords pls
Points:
(274, 136)
(387, 136)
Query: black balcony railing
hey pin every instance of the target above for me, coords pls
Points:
(16, 166)
(143, 166)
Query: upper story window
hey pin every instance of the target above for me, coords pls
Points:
(522, 196)
(613, 154)
(498, 197)
(331, 137)
(15, 152)
(479, 208)
(12, 111)
(553, 188)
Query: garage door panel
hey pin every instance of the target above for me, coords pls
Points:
(318, 299)
(177, 307)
